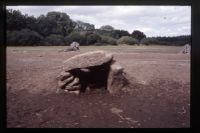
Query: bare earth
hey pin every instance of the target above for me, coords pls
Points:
(161, 100)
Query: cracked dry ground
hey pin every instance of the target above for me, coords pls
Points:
(161, 100)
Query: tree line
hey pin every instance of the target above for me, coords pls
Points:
(57, 28)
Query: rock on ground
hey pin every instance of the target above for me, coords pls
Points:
(86, 60)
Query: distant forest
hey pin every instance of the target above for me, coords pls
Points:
(56, 28)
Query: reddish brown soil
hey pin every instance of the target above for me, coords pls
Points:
(160, 99)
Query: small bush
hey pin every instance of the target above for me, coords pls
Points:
(108, 40)
(127, 40)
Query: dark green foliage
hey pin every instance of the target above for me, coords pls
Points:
(15, 20)
(178, 40)
(81, 26)
(55, 23)
(114, 33)
(108, 40)
(138, 35)
(31, 22)
(107, 28)
(93, 38)
(127, 40)
(24, 37)
(119, 33)
(54, 39)
(148, 41)
(83, 38)
(75, 36)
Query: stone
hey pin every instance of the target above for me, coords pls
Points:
(90, 70)
(61, 84)
(85, 60)
(186, 49)
(116, 79)
(116, 110)
(63, 75)
(77, 92)
(74, 45)
(73, 88)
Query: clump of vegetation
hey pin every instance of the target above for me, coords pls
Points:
(93, 38)
(54, 39)
(24, 37)
(127, 40)
(148, 41)
(75, 36)
(138, 35)
(108, 40)
(170, 41)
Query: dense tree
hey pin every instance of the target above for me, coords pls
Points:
(138, 35)
(31, 22)
(127, 40)
(81, 26)
(93, 38)
(15, 20)
(148, 41)
(107, 28)
(24, 37)
(119, 33)
(55, 23)
(108, 40)
(54, 39)
(114, 33)
(177, 40)
(75, 36)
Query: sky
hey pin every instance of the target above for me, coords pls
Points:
(152, 20)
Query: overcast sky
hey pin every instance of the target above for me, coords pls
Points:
(152, 20)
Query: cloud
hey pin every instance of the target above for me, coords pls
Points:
(152, 20)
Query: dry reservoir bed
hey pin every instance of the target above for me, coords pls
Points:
(162, 98)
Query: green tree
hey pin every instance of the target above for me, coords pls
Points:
(15, 20)
(108, 40)
(24, 37)
(119, 33)
(127, 40)
(31, 22)
(75, 36)
(54, 39)
(138, 35)
(107, 28)
(55, 23)
(82, 26)
(93, 38)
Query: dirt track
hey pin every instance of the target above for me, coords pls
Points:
(162, 98)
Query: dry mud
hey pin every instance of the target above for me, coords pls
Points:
(160, 99)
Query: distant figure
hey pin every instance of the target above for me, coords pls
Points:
(186, 49)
